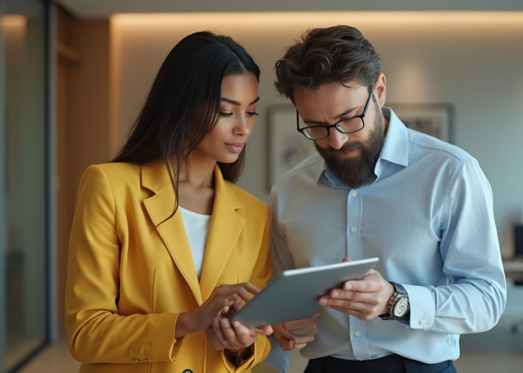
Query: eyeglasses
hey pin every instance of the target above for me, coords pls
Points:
(349, 125)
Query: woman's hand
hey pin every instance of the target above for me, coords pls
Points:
(233, 336)
(221, 300)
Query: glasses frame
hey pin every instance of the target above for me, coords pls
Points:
(335, 125)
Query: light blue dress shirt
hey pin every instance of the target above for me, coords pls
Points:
(428, 217)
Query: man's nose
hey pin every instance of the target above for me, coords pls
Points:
(337, 139)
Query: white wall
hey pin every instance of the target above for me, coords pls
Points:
(473, 61)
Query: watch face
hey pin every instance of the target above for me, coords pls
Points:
(401, 307)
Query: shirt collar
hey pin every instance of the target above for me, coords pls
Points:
(395, 150)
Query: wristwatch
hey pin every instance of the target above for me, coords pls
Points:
(398, 305)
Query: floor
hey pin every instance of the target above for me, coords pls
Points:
(54, 359)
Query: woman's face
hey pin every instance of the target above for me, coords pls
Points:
(239, 99)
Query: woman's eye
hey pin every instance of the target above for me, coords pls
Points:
(252, 113)
(224, 114)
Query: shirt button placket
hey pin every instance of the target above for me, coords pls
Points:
(354, 249)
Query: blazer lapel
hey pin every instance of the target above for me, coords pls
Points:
(226, 226)
(159, 207)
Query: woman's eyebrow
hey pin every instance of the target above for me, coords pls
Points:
(236, 102)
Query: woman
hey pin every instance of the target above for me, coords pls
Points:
(163, 246)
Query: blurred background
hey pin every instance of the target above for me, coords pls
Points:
(74, 75)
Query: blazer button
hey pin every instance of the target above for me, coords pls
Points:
(187, 371)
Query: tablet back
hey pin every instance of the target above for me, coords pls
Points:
(293, 294)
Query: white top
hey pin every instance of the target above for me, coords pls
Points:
(197, 229)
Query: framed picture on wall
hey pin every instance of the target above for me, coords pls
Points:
(432, 119)
(286, 146)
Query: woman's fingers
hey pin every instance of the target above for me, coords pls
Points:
(234, 336)
(218, 333)
(225, 300)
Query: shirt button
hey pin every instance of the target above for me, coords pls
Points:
(423, 321)
(354, 193)
(353, 230)
(358, 334)
(187, 371)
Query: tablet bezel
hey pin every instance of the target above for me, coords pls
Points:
(294, 293)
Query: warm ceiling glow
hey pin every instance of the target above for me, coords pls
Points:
(289, 18)
(13, 20)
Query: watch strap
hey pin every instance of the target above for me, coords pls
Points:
(398, 288)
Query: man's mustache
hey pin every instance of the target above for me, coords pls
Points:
(347, 147)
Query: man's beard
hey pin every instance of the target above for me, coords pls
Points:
(356, 172)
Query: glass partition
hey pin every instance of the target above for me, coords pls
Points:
(24, 298)
(2, 197)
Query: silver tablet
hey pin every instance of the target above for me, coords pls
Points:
(293, 294)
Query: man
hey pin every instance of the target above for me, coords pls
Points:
(378, 189)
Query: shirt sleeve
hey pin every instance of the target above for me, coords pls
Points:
(475, 296)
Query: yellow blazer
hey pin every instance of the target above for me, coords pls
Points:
(129, 279)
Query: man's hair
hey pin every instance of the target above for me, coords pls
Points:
(325, 55)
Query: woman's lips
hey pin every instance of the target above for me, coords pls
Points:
(235, 147)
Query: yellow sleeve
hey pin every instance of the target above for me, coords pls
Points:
(97, 333)
(260, 276)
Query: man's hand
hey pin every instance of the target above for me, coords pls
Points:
(365, 298)
(296, 334)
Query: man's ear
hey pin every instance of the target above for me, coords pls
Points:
(380, 89)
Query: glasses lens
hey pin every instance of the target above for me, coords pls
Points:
(321, 132)
(315, 132)
(312, 132)
(350, 125)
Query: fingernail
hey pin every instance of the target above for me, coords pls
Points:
(335, 293)
(323, 301)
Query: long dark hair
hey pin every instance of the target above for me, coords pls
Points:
(184, 102)
(325, 55)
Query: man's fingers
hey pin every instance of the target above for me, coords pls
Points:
(299, 346)
(300, 324)
(289, 340)
(285, 344)
(264, 330)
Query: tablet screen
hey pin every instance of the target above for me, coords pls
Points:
(293, 294)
